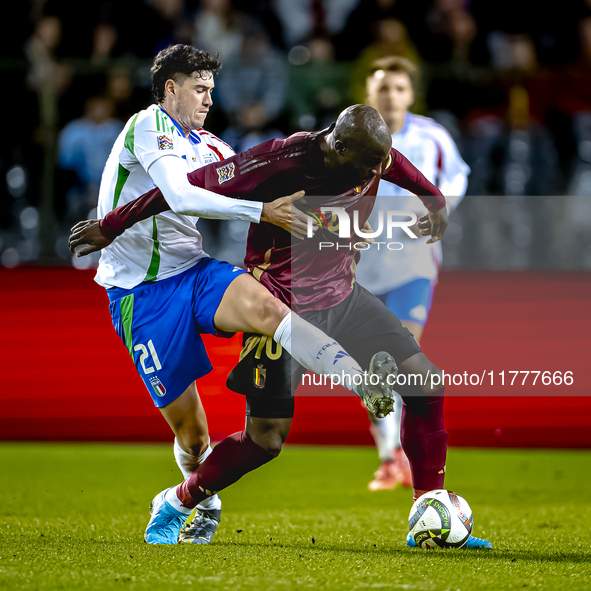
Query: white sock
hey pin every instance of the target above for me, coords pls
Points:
(173, 500)
(386, 431)
(210, 503)
(397, 416)
(188, 463)
(382, 431)
(316, 351)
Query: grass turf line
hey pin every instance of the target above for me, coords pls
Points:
(73, 515)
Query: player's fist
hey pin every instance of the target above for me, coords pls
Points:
(86, 237)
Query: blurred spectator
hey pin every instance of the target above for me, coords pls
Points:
(253, 85)
(41, 52)
(391, 38)
(84, 146)
(175, 19)
(104, 39)
(318, 86)
(306, 18)
(512, 52)
(363, 22)
(217, 28)
(451, 31)
(266, 13)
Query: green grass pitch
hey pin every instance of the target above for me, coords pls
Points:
(72, 517)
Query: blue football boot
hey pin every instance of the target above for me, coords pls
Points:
(473, 543)
(201, 529)
(166, 522)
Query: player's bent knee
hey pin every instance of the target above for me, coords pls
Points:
(193, 442)
(268, 422)
(270, 313)
(274, 311)
(271, 442)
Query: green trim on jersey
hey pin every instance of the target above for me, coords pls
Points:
(162, 122)
(122, 176)
(155, 262)
(168, 125)
(127, 320)
(129, 136)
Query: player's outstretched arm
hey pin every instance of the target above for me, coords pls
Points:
(400, 171)
(93, 235)
(230, 179)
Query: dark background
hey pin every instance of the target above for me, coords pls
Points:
(509, 79)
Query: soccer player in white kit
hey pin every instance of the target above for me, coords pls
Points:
(165, 291)
(405, 279)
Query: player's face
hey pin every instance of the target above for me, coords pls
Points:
(193, 100)
(390, 93)
(360, 167)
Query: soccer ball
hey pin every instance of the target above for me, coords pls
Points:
(440, 519)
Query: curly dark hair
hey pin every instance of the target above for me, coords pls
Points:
(177, 61)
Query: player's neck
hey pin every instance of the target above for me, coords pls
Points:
(396, 122)
(171, 112)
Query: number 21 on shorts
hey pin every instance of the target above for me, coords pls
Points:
(145, 354)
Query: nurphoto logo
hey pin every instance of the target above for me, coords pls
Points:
(338, 221)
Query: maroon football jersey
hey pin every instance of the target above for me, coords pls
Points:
(296, 271)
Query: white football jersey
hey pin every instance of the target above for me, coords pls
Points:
(166, 244)
(431, 149)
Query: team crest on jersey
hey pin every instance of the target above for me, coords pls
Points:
(158, 386)
(165, 142)
(225, 173)
(259, 376)
(209, 158)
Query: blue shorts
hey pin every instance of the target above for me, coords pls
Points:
(411, 301)
(161, 323)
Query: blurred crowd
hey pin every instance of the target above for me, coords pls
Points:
(509, 79)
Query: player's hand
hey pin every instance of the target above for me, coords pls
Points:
(86, 237)
(367, 228)
(283, 213)
(434, 224)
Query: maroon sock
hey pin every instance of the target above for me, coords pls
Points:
(231, 459)
(424, 440)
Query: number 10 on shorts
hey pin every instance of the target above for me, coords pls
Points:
(145, 355)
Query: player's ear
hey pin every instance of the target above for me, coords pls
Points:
(169, 86)
(340, 147)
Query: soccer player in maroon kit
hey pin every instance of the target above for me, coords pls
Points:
(338, 167)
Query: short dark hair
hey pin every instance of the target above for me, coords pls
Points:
(396, 63)
(177, 61)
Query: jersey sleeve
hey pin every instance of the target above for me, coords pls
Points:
(235, 177)
(150, 137)
(454, 171)
(401, 172)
